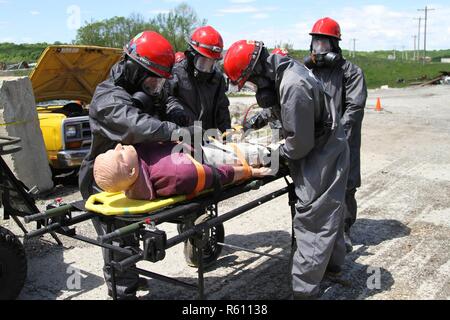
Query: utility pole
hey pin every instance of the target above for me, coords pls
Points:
(425, 32)
(415, 52)
(418, 38)
(354, 47)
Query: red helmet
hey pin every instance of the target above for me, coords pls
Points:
(241, 59)
(179, 56)
(207, 41)
(152, 51)
(327, 27)
(280, 51)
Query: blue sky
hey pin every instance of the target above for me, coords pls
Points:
(375, 24)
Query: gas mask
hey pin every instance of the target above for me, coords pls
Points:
(322, 54)
(201, 67)
(204, 64)
(266, 98)
(325, 59)
(266, 95)
(153, 85)
(139, 79)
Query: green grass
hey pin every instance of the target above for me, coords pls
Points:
(377, 68)
(399, 73)
(380, 71)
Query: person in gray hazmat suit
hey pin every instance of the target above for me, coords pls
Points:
(346, 85)
(198, 86)
(316, 152)
(128, 108)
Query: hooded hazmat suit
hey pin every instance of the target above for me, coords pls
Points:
(115, 117)
(346, 85)
(202, 98)
(318, 160)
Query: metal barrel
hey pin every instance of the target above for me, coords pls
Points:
(51, 213)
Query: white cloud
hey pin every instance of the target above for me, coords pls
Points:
(270, 35)
(376, 27)
(34, 13)
(256, 13)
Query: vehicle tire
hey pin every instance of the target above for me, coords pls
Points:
(211, 251)
(13, 265)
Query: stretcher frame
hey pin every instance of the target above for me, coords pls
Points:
(62, 221)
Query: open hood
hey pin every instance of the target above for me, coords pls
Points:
(71, 72)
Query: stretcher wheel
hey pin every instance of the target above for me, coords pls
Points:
(13, 265)
(211, 250)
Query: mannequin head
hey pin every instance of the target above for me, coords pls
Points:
(117, 169)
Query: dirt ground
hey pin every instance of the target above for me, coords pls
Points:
(401, 239)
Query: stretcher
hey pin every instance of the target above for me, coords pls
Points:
(200, 225)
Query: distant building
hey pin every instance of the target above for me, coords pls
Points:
(391, 57)
(445, 60)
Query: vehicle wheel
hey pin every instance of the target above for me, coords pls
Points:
(13, 265)
(211, 251)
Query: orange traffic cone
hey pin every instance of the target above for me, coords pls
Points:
(378, 106)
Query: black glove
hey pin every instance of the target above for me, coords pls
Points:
(143, 101)
(256, 122)
(179, 117)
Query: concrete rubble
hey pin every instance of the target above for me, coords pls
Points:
(19, 118)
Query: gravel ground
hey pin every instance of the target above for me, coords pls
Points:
(401, 237)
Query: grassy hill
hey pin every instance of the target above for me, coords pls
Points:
(377, 68)
(399, 73)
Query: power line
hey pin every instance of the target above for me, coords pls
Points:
(425, 31)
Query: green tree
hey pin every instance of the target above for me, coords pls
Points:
(178, 24)
(117, 31)
(114, 32)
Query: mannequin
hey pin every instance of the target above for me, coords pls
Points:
(151, 170)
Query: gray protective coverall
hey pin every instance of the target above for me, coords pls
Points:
(114, 118)
(204, 101)
(318, 159)
(346, 85)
